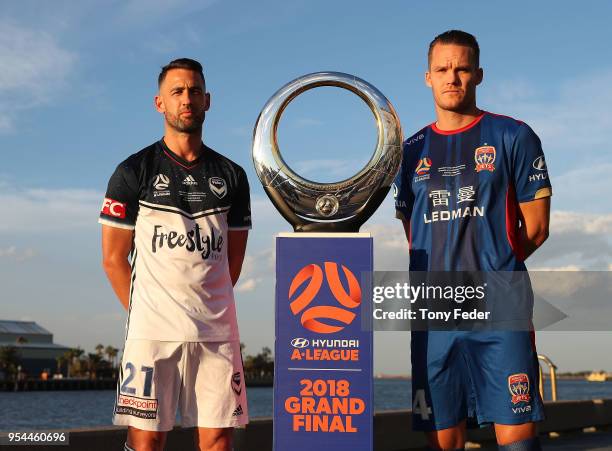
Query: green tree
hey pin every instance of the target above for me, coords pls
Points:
(61, 361)
(93, 364)
(10, 358)
(111, 353)
(72, 357)
(261, 365)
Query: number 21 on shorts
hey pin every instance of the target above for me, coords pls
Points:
(146, 390)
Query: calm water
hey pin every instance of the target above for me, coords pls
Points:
(75, 409)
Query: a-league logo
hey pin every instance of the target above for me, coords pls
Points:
(424, 166)
(317, 318)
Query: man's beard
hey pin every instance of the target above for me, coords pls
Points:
(192, 125)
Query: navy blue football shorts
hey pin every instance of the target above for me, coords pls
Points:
(492, 376)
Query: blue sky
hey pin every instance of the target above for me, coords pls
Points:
(76, 97)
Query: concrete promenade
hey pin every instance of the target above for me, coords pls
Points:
(565, 420)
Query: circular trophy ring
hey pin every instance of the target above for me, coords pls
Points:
(341, 206)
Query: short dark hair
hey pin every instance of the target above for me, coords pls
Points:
(457, 37)
(181, 63)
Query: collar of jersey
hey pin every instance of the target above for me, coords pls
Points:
(181, 161)
(459, 130)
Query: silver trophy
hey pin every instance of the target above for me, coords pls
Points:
(327, 207)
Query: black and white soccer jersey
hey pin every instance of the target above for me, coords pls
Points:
(180, 212)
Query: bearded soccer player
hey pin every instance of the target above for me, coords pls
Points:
(473, 194)
(182, 211)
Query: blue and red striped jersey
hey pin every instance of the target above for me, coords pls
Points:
(461, 189)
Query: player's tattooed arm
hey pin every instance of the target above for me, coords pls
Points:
(236, 248)
(116, 247)
(535, 219)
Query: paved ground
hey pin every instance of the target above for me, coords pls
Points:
(591, 441)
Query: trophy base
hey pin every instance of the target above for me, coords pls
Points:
(323, 376)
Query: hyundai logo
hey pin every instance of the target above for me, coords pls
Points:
(300, 342)
(539, 163)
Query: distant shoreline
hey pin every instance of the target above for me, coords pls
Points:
(393, 376)
(546, 377)
(71, 384)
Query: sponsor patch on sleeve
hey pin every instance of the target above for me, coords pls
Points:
(113, 208)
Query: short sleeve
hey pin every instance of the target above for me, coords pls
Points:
(239, 215)
(120, 206)
(402, 190)
(530, 173)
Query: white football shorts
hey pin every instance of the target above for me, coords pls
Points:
(204, 379)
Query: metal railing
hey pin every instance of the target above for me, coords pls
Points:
(553, 377)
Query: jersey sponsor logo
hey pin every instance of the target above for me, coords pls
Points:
(485, 157)
(538, 177)
(415, 139)
(114, 208)
(190, 181)
(539, 163)
(466, 194)
(236, 382)
(439, 197)
(313, 318)
(451, 215)
(518, 384)
(217, 186)
(195, 240)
